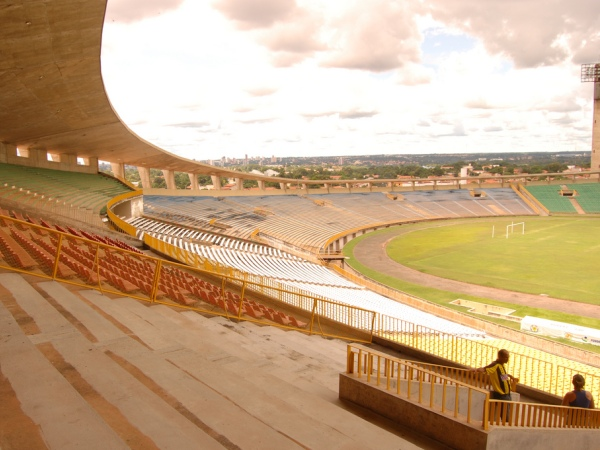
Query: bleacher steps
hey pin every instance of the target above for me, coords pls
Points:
(141, 407)
(181, 380)
(25, 367)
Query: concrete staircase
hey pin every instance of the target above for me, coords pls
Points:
(92, 372)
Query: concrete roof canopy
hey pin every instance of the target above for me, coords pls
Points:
(52, 96)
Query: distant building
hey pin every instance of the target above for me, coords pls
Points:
(464, 172)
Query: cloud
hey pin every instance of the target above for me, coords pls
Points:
(260, 91)
(412, 74)
(478, 103)
(357, 114)
(417, 74)
(258, 120)
(531, 33)
(377, 36)
(128, 11)
(251, 14)
(299, 34)
(190, 124)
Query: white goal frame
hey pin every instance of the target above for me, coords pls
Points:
(512, 228)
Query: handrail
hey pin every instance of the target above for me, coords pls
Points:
(535, 415)
(539, 374)
(411, 381)
(534, 372)
(76, 260)
(399, 377)
(121, 224)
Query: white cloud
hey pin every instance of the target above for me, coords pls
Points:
(136, 10)
(317, 77)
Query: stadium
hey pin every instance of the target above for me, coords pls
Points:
(160, 318)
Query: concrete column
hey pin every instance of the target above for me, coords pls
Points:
(169, 178)
(145, 177)
(239, 184)
(261, 185)
(216, 181)
(595, 163)
(38, 157)
(194, 185)
(118, 170)
(91, 162)
(68, 159)
(7, 152)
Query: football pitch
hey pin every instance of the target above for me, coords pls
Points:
(554, 256)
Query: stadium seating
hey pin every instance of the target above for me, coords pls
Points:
(588, 197)
(550, 197)
(46, 189)
(292, 216)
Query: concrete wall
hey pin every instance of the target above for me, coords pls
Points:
(456, 433)
(40, 158)
(133, 207)
(500, 438)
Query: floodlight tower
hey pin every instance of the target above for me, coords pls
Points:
(591, 72)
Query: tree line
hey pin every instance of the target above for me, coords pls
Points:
(349, 172)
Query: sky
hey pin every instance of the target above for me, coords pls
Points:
(207, 79)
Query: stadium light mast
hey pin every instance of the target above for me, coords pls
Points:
(591, 73)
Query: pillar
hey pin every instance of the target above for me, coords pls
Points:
(118, 170)
(7, 152)
(68, 159)
(216, 181)
(595, 163)
(169, 178)
(38, 157)
(145, 177)
(194, 186)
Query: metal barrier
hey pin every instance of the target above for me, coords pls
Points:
(428, 388)
(80, 261)
(71, 257)
(459, 393)
(531, 371)
(535, 415)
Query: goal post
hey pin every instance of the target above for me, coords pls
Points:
(511, 228)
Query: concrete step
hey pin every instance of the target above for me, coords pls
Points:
(179, 379)
(326, 351)
(44, 394)
(247, 393)
(139, 405)
(278, 359)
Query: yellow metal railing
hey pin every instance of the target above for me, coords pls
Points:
(535, 415)
(531, 371)
(459, 393)
(61, 256)
(62, 249)
(428, 388)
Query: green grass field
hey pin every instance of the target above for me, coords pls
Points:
(556, 256)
